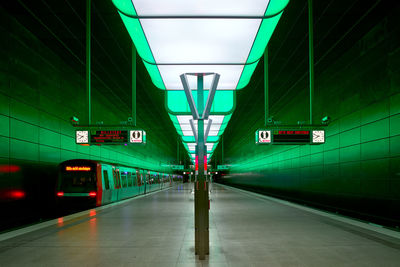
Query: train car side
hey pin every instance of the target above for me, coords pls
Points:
(99, 183)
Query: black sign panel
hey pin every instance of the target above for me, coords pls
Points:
(291, 136)
(109, 137)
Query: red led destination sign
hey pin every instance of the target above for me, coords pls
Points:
(78, 168)
(109, 137)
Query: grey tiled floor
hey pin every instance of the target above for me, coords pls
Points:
(157, 230)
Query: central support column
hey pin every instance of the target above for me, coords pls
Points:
(201, 185)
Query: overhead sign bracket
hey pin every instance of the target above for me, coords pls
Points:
(189, 97)
(211, 95)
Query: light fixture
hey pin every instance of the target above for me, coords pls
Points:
(177, 37)
(326, 120)
(74, 120)
(225, 37)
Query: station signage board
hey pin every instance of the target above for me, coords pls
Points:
(178, 167)
(290, 136)
(110, 137)
(222, 167)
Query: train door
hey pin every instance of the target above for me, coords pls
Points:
(147, 182)
(131, 179)
(123, 179)
(119, 197)
(138, 181)
(117, 185)
(107, 185)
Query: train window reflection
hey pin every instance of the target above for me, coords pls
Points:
(106, 182)
(130, 183)
(123, 179)
(78, 181)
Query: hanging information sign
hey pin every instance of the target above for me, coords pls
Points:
(290, 136)
(110, 137)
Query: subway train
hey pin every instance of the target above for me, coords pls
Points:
(84, 182)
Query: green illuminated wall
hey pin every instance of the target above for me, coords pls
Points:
(358, 167)
(38, 95)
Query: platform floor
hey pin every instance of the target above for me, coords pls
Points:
(157, 230)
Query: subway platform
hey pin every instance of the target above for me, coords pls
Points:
(246, 229)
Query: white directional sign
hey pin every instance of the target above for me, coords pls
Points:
(264, 136)
(136, 136)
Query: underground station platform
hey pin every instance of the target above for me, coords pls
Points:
(246, 229)
(200, 133)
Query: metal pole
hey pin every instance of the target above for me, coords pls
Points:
(133, 84)
(311, 56)
(88, 56)
(266, 87)
(201, 186)
(222, 149)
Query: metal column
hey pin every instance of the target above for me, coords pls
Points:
(266, 88)
(201, 185)
(311, 56)
(177, 150)
(201, 199)
(222, 149)
(133, 85)
(88, 56)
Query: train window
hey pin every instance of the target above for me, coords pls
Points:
(77, 182)
(123, 179)
(130, 183)
(106, 181)
(134, 178)
(114, 178)
(118, 178)
(117, 183)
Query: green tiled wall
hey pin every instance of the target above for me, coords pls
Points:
(360, 161)
(38, 95)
